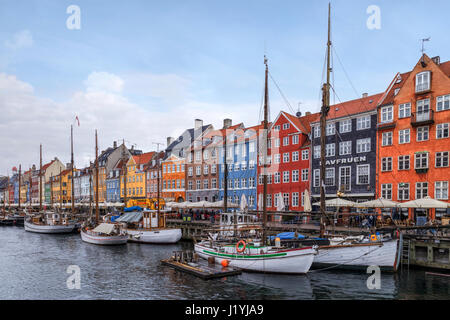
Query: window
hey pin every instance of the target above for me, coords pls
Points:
(423, 81)
(295, 156)
(316, 131)
(362, 174)
(198, 155)
(198, 170)
(344, 178)
(295, 139)
(345, 147)
(251, 147)
(363, 123)
(199, 184)
(286, 141)
(295, 175)
(268, 200)
(244, 150)
(213, 168)
(387, 114)
(345, 126)
(243, 183)
(442, 159)
(305, 174)
(404, 110)
(443, 103)
(329, 177)
(295, 199)
(285, 176)
(403, 162)
(442, 130)
(421, 160)
(286, 199)
(277, 158)
(277, 142)
(441, 190)
(386, 191)
(386, 139)
(277, 177)
(214, 183)
(422, 133)
(330, 129)
(421, 190)
(276, 128)
(205, 169)
(305, 154)
(386, 164)
(316, 178)
(285, 157)
(236, 183)
(251, 182)
(286, 126)
(403, 191)
(403, 136)
(363, 145)
(330, 150)
(423, 110)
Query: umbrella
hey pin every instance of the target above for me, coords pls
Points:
(307, 202)
(337, 202)
(426, 203)
(219, 204)
(244, 204)
(280, 205)
(378, 203)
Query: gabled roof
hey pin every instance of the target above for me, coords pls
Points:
(45, 166)
(190, 133)
(143, 158)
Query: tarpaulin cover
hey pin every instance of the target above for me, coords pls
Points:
(113, 218)
(132, 217)
(130, 209)
(287, 236)
(105, 228)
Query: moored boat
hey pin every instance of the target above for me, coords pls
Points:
(50, 222)
(104, 234)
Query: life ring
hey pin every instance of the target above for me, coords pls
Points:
(238, 249)
(373, 237)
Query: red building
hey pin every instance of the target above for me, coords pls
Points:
(289, 153)
(152, 176)
(413, 139)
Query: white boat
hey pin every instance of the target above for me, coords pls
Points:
(360, 255)
(51, 222)
(260, 259)
(104, 234)
(149, 226)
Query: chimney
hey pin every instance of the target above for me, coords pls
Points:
(198, 123)
(227, 123)
(169, 141)
(308, 113)
(365, 95)
(115, 144)
(437, 60)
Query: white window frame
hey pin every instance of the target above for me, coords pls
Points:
(358, 174)
(363, 142)
(441, 190)
(443, 103)
(349, 177)
(404, 110)
(345, 126)
(387, 114)
(443, 129)
(363, 123)
(423, 80)
(421, 132)
(404, 136)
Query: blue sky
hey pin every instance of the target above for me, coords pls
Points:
(204, 58)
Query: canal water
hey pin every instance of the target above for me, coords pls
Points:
(34, 266)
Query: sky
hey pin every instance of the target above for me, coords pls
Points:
(141, 71)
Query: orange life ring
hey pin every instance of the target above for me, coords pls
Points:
(238, 249)
(373, 237)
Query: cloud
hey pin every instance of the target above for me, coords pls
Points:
(21, 39)
(103, 81)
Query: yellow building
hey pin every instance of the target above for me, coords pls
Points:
(136, 180)
(55, 189)
(66, 180)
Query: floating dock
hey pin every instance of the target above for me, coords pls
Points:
(188, 262)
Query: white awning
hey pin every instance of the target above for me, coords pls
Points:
(338, 202)
(378, 203)
(105, 228)
(425, 203)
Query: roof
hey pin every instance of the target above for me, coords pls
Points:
(191, 135)
(45, 166)
(143, 158)
(353, 107)
(303, 123)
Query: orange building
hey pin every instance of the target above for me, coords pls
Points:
(413, 139)
(173, 179)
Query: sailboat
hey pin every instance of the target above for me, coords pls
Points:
(48, 221)
(252, 253)
(105, 233)
(357, 252)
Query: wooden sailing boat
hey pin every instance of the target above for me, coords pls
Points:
(254, 254)
(149, 226)
(105, 233)
(351, 252)
(48, 221)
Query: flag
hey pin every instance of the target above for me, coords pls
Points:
(78, 120)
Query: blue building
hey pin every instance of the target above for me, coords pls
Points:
(113, 183)
(242, 167)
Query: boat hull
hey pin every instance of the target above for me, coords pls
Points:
(31, 227)
(161, 236)
(104, 240)
(385, 255)
(292, 261)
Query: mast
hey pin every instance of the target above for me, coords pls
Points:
(124, 170)
(71, 164)
(265, 136)
(60, 188)
(96, 178)
(225, 175)
(20, 182)
(40, 179)
(51, 191)
(29, 188)
(323, 116)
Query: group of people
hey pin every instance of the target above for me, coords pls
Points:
(198, 215)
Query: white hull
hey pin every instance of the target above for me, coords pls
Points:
(154, 236)
(292, 261)
(104, 240)
(385, 255)
(38, 228)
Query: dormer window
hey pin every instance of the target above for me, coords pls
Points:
(396, 91)
(423, 81)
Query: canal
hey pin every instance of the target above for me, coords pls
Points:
(34, 266)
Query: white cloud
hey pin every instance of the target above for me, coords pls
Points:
(103, 81)
(21, 39)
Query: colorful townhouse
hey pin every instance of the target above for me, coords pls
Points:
(241, 159)
(350, 151)
(136, 176)
(66, 180)
(83, 185)
(113, 182)
(152, 176)
(173, 164)
(414, 137)
(3, 190)
(289, 162)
